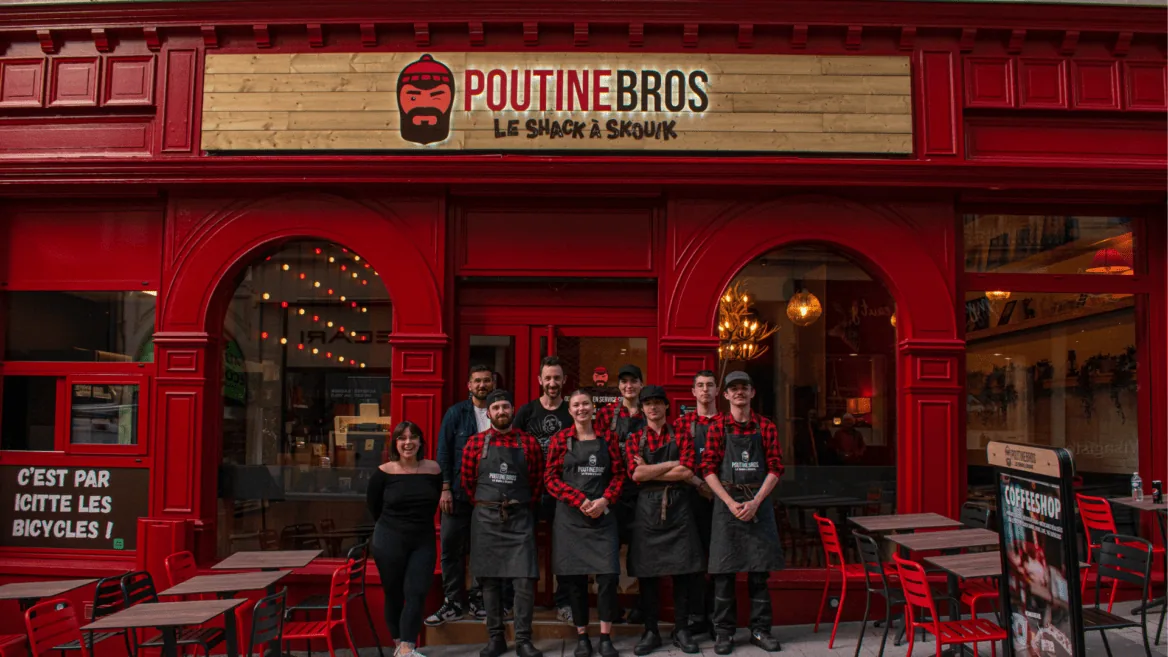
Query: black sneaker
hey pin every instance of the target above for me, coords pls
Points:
(685, 641)
(449, 611)
(765, 640)
(724, 644)
(583, 647)
(496, 646)
(606, 647)
(650, 641)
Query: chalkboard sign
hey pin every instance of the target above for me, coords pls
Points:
(1040, 563)
(72, 507)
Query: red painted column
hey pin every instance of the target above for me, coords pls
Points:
(417, 383)
(931, 440)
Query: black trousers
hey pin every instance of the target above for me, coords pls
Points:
(524, 606)
(455, 537)
(405, 560)
(606, 602)
(701, 597)
(547, 513)
(651, 599)
(726, 603)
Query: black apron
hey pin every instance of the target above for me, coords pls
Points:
(703, 507)
(583, 545)
(502, 528)
(626, 505)
(664, 540)
(737, 546)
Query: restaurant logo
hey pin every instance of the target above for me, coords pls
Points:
(501, 477)
(425, 94)
(503, 468)
(591, 459)
(590, 470)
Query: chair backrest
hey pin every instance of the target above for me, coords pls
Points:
(107, 597)
(180, 567)
(339, 591)
(830, 538)
(1097, 519)
(975, 516)
(873, 563)
(358, 559)
(876, 497)
(50, 623)
(1124, 558)
(916, 587)
(292, 536)
(137, 587)
(267, 622)
(269, 539)
(327, 525)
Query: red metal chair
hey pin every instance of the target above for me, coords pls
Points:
(52, 627)
(180, 567)
(12, 645)
(833, 560)
(918, 594)
(335, 617)
(1098, 522)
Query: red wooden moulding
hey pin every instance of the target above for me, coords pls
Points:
(129, 81)
(939, 126)
(1094, 84)
(989, 82)
(22, 82)
(1042, 83)
(73, 82)
(1144, 86)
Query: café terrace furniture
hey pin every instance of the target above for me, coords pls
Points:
(108, 600)
(1160, 509)
(1127, 559)
(918, 595)
(336, 614)
(138, 589)
(28, 593)
(169, 618)
(979, 571)
(357, 560)
(958, 539)
(52, 628)
(267, 625)
(877, 576)
(268, 560)
(228, 584)
(907, 522)
(834, 561)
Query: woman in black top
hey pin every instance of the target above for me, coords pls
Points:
(403, 496)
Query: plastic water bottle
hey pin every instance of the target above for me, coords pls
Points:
(1137, 487)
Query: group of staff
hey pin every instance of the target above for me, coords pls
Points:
(689, 498)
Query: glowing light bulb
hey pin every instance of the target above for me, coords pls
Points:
(364, 282)
(354, 274)
(300, 312)
(352, 334)
(342, 297)
(283, 304)
(356, 258)
(303, 276)
(315, 351)
(362, 364)
(266, 296)
(316, 284)
(286, 267)
(283, 340)
(300, 346)
(340, 359)
(364, 309)
(316, 318)
(332, 259)
(264, 335)
(330, 325)
(318, 250)
(330, 291)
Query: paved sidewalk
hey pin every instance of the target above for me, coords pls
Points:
(799, 641)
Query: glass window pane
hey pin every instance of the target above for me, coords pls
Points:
(306, 401)
(79, 326)
(1057, 370)
(498, 353)
(29, 413)
(593, 362)
(104, 414)
(1035, 244)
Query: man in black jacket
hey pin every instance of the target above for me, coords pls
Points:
(462, 420)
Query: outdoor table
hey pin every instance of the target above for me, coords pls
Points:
(268, 560)
(906, 522)
(1160, 509)
(227, 585)
(948, 540)
(29, 593)
(168, 617)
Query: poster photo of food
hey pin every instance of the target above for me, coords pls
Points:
(1036, 572)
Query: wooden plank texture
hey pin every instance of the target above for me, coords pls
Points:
(744, 103)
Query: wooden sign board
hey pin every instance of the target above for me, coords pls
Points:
(557, 102)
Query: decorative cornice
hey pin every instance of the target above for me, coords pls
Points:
(21, 178)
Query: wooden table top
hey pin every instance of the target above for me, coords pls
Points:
(904, 522)
(802, 498)
(948, 540)
(228, 582)
(1146, 505)
(165, 614)
(45, 589)
(970, 566)
(270, 559)
(825, 502)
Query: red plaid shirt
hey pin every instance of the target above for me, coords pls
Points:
(553, 475)
(472, 455)
(724, 423)
(604, 414)
(692, 418)
(655, 440)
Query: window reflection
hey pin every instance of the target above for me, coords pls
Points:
(1040, 244)
(1057, 370)
(306, 400)
(79, 326)
(104, 414)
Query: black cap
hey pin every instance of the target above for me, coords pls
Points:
(630, 370)
(498, 395)
(652, 392)
(736, 377)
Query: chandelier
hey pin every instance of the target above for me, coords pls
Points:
(804, 308)
(740, 335)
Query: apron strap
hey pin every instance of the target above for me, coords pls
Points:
(503, 507)
(486, 445)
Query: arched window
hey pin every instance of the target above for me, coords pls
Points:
(306, 398)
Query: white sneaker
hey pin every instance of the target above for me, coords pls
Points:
(449, 611)
(477, 610)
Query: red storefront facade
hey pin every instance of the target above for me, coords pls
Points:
(1014, 111)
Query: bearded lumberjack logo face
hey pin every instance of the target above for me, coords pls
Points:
(745, 456)
(425, 95)
(591, 459)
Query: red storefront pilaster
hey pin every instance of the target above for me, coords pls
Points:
(929, 463)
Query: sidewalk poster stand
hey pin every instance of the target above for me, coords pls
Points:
(1041, 601)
